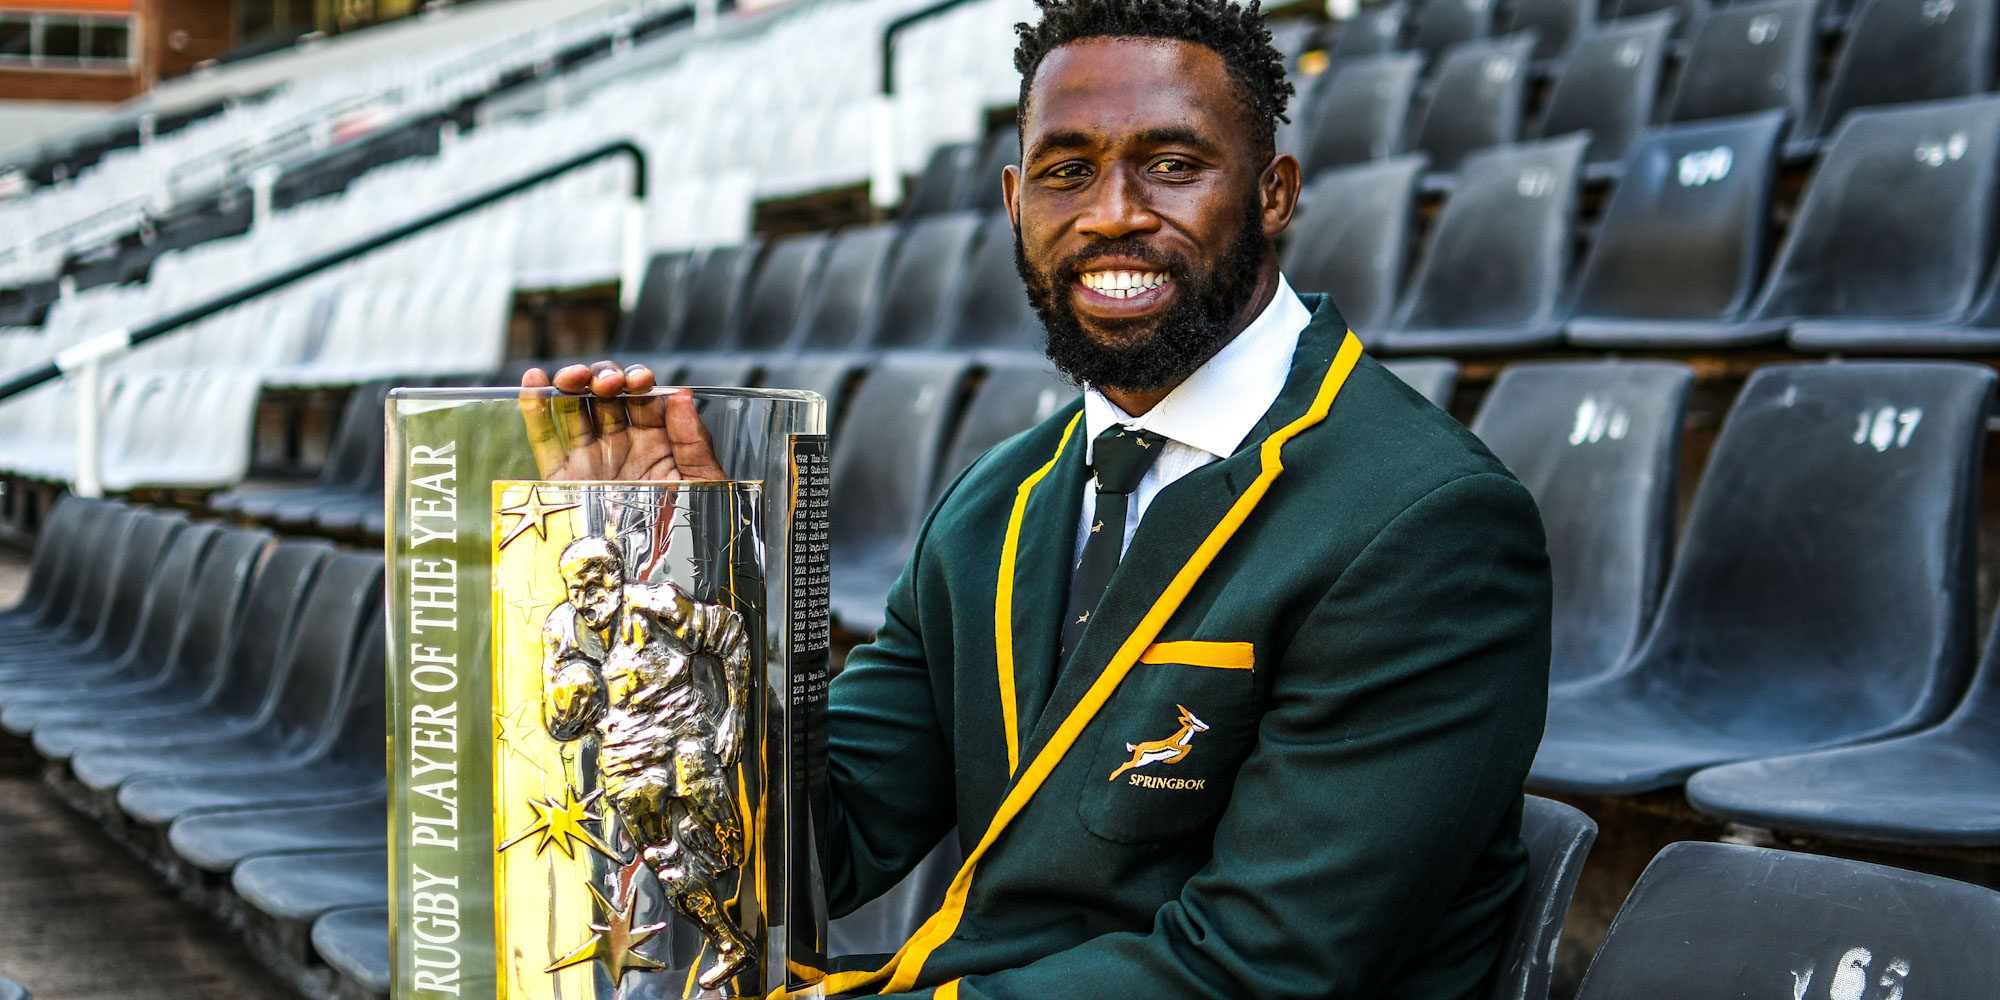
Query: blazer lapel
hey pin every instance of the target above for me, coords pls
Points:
(1043, 546)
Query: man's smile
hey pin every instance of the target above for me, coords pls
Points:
(1122, 293)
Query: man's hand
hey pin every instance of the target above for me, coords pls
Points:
(607, 434)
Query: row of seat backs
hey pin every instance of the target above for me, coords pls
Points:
(271, 630)
(963, 176)
(1896, 227)
(1892, 52)
(941, 280)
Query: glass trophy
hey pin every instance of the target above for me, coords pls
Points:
(607, 682)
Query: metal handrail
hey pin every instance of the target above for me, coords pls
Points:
(104, 346)
(885, 179)
(897, 27)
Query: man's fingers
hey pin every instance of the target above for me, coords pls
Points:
(694, 450)
(542, 437)
(573, 379)
(639, 379)
(607, 380)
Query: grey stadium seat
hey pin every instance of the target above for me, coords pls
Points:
(1748, 57)
(1477, 99)
(1682, 240)
(108, 626)
(1723, 920)
(993, 311)
(1558, 838)
(1492, 275)
(150, 616)
(830, 375)
(657, 307)
(1606, 87)
(945, 173)
(1350, 239)
(1442, 24)
(1556, 23)
(1822, 596)
(1434, 379)
(1598, 444)
(840, 311)
(356, 449)
(1016, 393)
(920, 292)
(219, 841)
(1898, 51)
(303, 887)
(1686, 12)
(713, 292)
(779, 291)
(1375, 30)
(355, 942)
(1359, 111)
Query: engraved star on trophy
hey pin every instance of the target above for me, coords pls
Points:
(607, 682)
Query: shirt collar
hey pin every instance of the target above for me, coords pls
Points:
(1214, 409)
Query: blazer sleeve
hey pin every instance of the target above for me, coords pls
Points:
(890, 776)
(1400, 726)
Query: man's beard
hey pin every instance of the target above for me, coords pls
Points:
(1198, 323)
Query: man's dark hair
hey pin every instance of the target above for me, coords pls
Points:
(1234, 31)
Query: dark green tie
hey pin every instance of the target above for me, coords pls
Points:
(1119, 458)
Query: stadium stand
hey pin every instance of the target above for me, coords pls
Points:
(1609, 81)
(1558, 839)
(1748, 57)
(1354, 244)
(1358, 111)
(1477, 98)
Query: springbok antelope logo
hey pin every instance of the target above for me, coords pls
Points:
(1171, 750)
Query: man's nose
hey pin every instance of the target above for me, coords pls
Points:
(1118, 208)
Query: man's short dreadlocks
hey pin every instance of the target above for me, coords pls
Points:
(1236, 32)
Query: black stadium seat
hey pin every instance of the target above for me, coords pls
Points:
(1359, 111)
(303, 887)
(1683, 237)
(920, 293)
(1558, 838)
(1938, 787)
(1598, 444)
(727, 370)
(981, 191)
(56, 551)
(1556, 23)
(1898, 51)
(1686, 12)
(830, 375)
(1476, 99)
(355, 942)
(1748, 57)
(228, 669)
(1434, 379)
(1606, 87)
(885, 458)
(300, 704)
(1350, 239)
(111, 601)
(1723, 920)
(1017, 392)
(1372, 32)
(350, 462)
(779, 291)
(993, 311)
(1442, 24)
(1823, 595)
(840, 312)
(1491, 277)
(713, 292)
(655, 310)
(219, 841)
(945, 173)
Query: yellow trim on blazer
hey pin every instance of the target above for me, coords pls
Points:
(949, 991)
(907, 964)
(1194, 653)
(1003, 602)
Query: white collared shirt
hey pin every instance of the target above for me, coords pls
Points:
(1208, 415)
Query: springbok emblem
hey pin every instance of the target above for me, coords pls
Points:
(1171, 750)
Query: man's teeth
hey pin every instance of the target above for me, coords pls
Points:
(1123, 284)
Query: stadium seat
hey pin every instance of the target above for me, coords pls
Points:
(881, 925)
(1895, 233)
(11, 990)
(343, 760)
(1939, 787)
(1556, 23)
(110, 630)
(1823, 595)
(885, 459)
(841, 309)
(1016, 393)
(1748, 57)
(830, 375)
(303, 887)
(350, 466)
(778, 293)
(1491, 277)
(79, 603)
(944, 176)
(170, 668)
(1714, 920)
(355, 942)
(1359, 111)
(219, 841)
(920, 295)
(981, 191)
(1558, 839)
(1606, 87)
(1898, 52)
(56, 549)
(994, 309)
(1373, 31)
(1350, 238)
(713, 292)
(1598, 444)
(1682, 239)
(727, 370)
(655, 310)
(1442, 24)
(227, 661)
(1477, 98)
(300, 706)
(1434, 379)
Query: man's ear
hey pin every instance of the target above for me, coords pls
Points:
(1010, 192)
(1278, 189)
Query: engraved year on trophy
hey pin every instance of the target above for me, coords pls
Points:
(607, 679)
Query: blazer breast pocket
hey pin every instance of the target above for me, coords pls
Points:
(1169, 742)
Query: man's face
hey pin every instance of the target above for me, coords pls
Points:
(1143, 209)
(595, 591)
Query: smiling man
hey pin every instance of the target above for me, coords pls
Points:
(1227, 676)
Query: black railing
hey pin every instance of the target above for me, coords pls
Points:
(339, 255)
(896, 28)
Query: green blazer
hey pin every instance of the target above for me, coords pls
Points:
(1354, 607)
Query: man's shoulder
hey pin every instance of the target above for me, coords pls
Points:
(1383, 430)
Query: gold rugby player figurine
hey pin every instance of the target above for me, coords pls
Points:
(618, 658)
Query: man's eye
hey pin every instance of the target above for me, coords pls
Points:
(1067, 170)
(1169, 166)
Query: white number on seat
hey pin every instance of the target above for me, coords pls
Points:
(1887, 426)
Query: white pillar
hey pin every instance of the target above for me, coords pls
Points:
(885, 178)
(85, 362)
